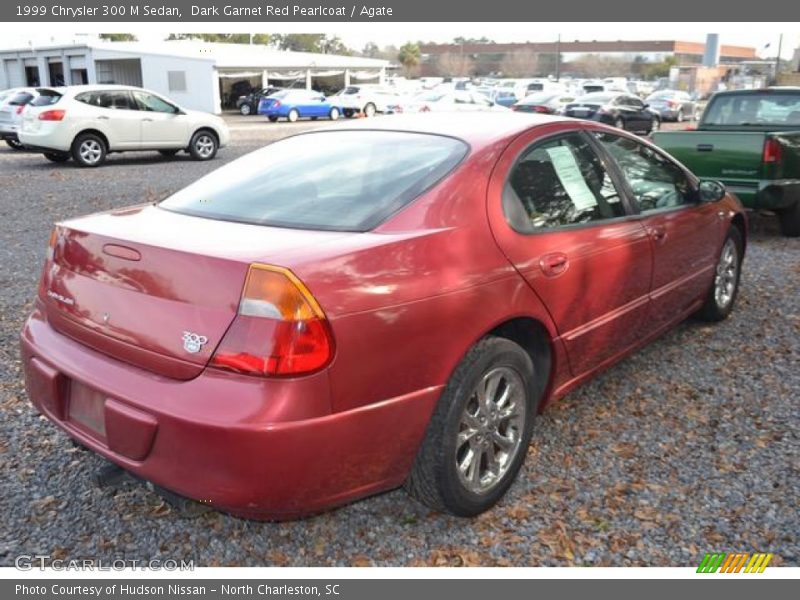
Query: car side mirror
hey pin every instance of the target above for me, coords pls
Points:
(711, 191)
(646, 105)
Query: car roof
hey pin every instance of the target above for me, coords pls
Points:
(94, 87)
(484, 128)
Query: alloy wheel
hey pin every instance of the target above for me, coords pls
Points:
(91, 152)
(727, 275)
(490, 430)
(204, 146)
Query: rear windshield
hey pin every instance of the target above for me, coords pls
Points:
(754, 109)
(337, 180)
(46, 98)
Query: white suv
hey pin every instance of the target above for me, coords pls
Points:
(86, 122)
(365, 99)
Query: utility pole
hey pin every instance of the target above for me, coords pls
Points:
(778, 58)
(558, 58)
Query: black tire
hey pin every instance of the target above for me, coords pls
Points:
(789, 219)
(715, 308)
(293, 115)
(89, 150)
(203, 145)
(272, 119)
(349, 113)
(314, 118)
(57, 157)
(168, 153)
(14, 144)
(434, 479)
(370, 109)
(334, 114)
(246, 109)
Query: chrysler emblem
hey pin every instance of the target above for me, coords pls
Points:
(193, 342)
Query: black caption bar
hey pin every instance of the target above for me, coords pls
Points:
(395, 10)
(385, 589)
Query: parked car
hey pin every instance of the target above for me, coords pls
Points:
(750, 140)
(88, 122)
(620, 110)
(365, 99)
(446, 101)
(12, 104)
(248, 104)
(348, 310)
(505, 98)
(548, 103)
(299, 104)
(673, 105)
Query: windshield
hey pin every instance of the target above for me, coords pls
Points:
(430, 96)
(767, 109)
(344, 181)
(46, 98)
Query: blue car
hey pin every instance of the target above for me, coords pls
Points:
(296, 104)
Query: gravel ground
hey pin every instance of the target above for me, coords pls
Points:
(689, 446)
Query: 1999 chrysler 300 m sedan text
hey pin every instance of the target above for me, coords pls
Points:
(383, 304)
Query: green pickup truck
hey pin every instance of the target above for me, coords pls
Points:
(750, 141)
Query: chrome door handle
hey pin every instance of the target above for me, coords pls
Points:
(147, 120)
(102, 118)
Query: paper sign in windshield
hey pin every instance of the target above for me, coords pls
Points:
(569, 173)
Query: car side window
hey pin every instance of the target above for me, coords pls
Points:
(121, 101)
(657, 182)
(151, 103)
(634, 102)
(559, 182)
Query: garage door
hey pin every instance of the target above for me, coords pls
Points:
(13, 72)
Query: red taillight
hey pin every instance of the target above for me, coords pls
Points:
(280, 328)
(51, 249)
(19, 109)
(541, 109)
(673, 104)
(52, 115)
(425, 108)
(772, 151)
(276, 104)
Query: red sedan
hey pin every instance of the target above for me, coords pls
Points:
(373, 305)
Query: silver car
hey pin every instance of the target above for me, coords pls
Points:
(12, 105)
(673, 105)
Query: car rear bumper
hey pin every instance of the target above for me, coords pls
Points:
(255, 448)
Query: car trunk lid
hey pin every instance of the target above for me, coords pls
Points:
(153, 288)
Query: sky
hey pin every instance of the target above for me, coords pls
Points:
(356, 35)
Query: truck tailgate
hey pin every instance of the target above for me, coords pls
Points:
(732, 157)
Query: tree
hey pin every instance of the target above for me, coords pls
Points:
(118, 37)
(519, 63)
(224, 38)
(409, 56)
(454, 64)
(371, 50)
(333, 45)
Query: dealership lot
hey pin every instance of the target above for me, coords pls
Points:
(688, 446)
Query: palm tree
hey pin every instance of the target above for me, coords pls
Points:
(409, 55)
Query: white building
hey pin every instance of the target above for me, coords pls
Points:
(197, 75)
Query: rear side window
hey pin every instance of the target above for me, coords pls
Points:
(337, 180)
(559, 182)
(46, 98)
